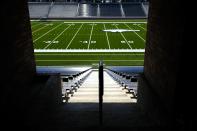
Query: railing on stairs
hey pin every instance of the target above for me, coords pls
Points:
(101, 92)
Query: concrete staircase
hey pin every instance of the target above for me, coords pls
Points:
(88, 92)
(113, 93)
(82, 110)
(119, 109)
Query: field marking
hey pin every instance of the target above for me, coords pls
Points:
(142, 27)
(57, 37)
(100, 22)
(90, 54)
(47, 32)
(107, 36)
(135, 33)
(90, 50)
(90, 35)
(36, 25)
(89, 60)
(74, 36)
(124, 37)
(40, 28)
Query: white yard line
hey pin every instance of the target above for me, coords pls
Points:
(90, 36)
(74, 36)
(90, 50)
(107, 36)
(124, 38)
(101, 22)
(36, 25)
(89, 54)
(57, 37)
(48, 32)
(89, 60)
(98, 21)
(141, 27)
(39, 29)
(135, 32)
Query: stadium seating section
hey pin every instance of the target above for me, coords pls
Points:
(39, 10)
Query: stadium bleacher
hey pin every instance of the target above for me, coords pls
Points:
(63, 10)
(88, 10)
(127, 81)
(112, 10)
(39, 10)
(76, 9)
(70, 83)
(133, 10)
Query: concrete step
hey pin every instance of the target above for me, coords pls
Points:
(89, 91)
(120, 110)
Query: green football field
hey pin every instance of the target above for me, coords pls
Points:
(82, 42)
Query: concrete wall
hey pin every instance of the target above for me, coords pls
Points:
(166, 81)
(22, 90)
(17, 60)
(163, 48)
(17, 47)
(18, 65)
(45, 98)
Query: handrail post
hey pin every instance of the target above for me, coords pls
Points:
(101, 92)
